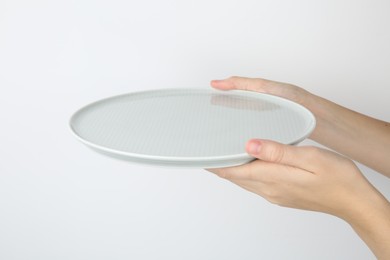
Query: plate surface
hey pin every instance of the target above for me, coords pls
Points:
(201, 128)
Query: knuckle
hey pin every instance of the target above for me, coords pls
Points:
(313, 152)
(296, 93)
(224, 174)
(251, 172)
(269, 193)
(274, 153)
(251, 175)
(240, 82)
(234, 78)
(228, 173)
(277, 199)
(273, 201)
(272, 198)
(348, 164)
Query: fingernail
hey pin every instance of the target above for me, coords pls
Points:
(254, 147)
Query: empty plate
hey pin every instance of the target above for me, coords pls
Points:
(202, 128)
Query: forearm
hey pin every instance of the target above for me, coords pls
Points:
(372, 224)
(366, 140)
(351, 133)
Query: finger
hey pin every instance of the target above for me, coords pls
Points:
(301, 157)
(255, 187)
(230, 173)
(241, 83)
(253, 84)
(276, 88)
(262, 171)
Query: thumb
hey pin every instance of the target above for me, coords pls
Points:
(273, 152)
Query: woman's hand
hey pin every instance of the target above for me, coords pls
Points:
(345, 131)
(284, 90)
(307, 178)
(315, 179)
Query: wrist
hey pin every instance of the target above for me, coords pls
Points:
(367, 212)
(328, 117)
(372, 224)
(318, 107)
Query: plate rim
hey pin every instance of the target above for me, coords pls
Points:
(242, 156)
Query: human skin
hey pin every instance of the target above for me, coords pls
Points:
(311, 178)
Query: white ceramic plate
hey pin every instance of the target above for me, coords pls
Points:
(202, 128)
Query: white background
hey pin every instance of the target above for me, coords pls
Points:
(60, 200)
